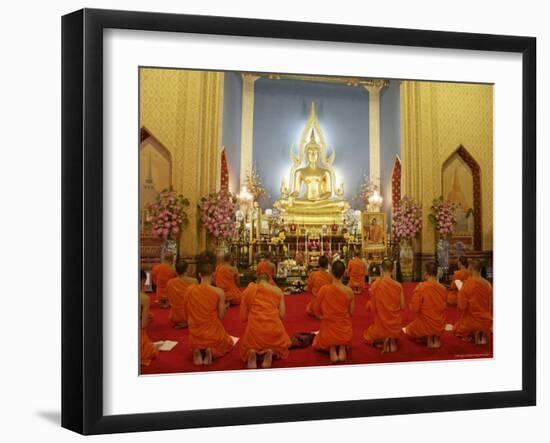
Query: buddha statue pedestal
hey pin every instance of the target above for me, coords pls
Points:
(312, 213)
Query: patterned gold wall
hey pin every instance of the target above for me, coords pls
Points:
(183, 110)
(436, 118)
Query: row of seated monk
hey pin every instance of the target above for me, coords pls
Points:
(202, 306)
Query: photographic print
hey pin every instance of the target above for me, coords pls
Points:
(291, 220)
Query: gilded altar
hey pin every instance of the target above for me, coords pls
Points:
(312, 196)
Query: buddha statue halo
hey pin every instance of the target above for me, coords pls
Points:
(321, 202)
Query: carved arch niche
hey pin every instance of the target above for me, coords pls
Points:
(155, 169)
(461, 183)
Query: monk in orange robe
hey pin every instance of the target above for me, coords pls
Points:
(428, 302)
(266, 266)
(161, 273)
(461, 274)
(386, 303)
(176, 289)
(147, 349)
(356, 272)
(317, 279)
(227, 278)
(204, 308)
(335, 306)
(263, 308)
(475, 302)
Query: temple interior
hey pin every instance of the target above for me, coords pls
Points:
(318, 166)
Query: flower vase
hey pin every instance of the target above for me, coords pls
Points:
(443, 254)
(406, 259)
(169, 247)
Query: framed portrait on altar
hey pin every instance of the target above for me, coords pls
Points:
(205, 151)
(374, 231)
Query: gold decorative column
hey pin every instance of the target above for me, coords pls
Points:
(247, 125)
(183, 110)
(374, 87)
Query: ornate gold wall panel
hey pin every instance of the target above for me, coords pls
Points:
(436, 118)
(182, 109)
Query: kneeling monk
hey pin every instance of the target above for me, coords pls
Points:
(318, 279)
(176, 289)
(204, 307)
(461, 274)
(262, 308)
(335, 305)
(475, 302)
(266, 266)
(147, 349)
(428, 302)
(227, 278)
(386, 304)
(160, 274)
(356, 273)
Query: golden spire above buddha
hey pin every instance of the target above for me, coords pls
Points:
(312, 197)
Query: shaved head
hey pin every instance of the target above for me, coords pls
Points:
(338, 268)
(387, 265)
(475, 265)
(205, 269)
(431, 269)
(323, 261)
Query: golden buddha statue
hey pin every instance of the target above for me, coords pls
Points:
(320, 202)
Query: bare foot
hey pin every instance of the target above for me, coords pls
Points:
(197, 357)
(437, 341)
(386, 347)
(480, 338)
(342, 353)
(430, 341)
(251, 362)
(393, 345)
(333, 354)
(180, 325)
(268, 359)
(207, 356)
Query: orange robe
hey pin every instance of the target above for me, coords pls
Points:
(385, 304)
(317, 279)
(452, 294)
(205, 328)
(428, 301)
(226, 280)
(264, 328)
(175, 290)
(356, 273)
(336, 328)
(475, 302)
(148, 350)
(267, 268)
(161, 273)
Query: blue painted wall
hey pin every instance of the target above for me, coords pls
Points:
(231, 132)
(281, 109)
(390, 139)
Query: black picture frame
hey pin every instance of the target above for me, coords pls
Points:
(82, 218)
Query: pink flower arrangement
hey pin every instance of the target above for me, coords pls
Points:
(406, 219)
(443, 217)
(218, 211)
(166, 214)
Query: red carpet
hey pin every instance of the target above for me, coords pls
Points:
(296, 320)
